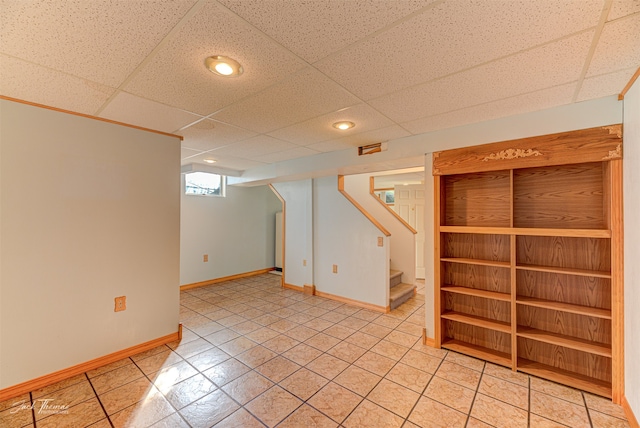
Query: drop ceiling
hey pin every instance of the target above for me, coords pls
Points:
(395, 68)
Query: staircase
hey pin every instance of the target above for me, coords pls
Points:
(398, 291)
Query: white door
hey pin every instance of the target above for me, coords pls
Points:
(410, 204)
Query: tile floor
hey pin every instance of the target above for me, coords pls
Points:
(255, 355)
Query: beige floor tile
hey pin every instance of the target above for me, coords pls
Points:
(339, 332)
(247, 387)
(357, 380)
(222, 336)
(301, 333)
(536, 421)
(390, 349)
(239, 419)
(115, 378)
(280, 343)
(237, 346)
(69, 396)
(22, 399)
(303, 383)
(335, 401)
(505, 391)
(375, 363)
(394, 397)
(174, 420)
(302, 354)
(387, 321)
(283, 325)
(208, 358)
(307, 417)
(209, 410)
(284, 312)
(556, 390)
(256, 356)
(558, 409)
(363, 340)
(106, 368)
(47, 390)
(231, 320)
(84, 414)
(408, 376)
(450, 394)
(370, 415)
(226, 371)
(411, 329)
(507, 374)
(604, 405)
(353, 323)
(322, 341)
(367, 315)
(278, 368)
(402, 339)
(602, 420)
(150, 352)
(421, 361)
(347, 351)
(17, 416)
(126, 395)
(429, 413)
(267, 319)
(104, 423)
(205, 330)
(157, 361)
(475, 423)
(188, 391)
(273, 406)
(426, 349)
(171, 375)
(465, 361)
(498, 413)
(246, 327)
(456, 373)
(262, 334)
(376, 330)
(152, 409)
(334, 317)
(327, 366)
(319, 324)
(316, 312)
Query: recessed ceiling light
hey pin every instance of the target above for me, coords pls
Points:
(224, 66)
(344, 125)
(209, 160)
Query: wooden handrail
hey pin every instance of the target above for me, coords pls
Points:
(360, 208)
(395, 214)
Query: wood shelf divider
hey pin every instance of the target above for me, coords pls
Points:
(565, 341)
(567, 271)
(477, 321)
(486, 354)
(476, 292)
(479, 262)
(565, 307)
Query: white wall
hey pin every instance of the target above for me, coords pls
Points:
(631, 162)
(299, 231)
(89, 211)
(402, 244)
(236, 232)
(343, 236)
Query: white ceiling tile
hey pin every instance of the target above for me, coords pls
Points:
(618, 47)
(546, 66)
(285, 155)
(525, 103)
(331, 146)
(306, 95)
(209, 134)
(223, 161)
(186, 153)
(31, 82)
(605, 85)
(137, 111)
(254, 147)
(321, 129)
(620, 8)
(375, 136)
(453, 36)
(177, 74)
(338, 23)
(99, 40)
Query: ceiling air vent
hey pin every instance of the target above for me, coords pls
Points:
(372, 148)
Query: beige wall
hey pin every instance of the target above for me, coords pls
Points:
(89, 211)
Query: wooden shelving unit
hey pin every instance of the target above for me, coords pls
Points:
(528, 256)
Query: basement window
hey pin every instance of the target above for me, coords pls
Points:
(204, 183)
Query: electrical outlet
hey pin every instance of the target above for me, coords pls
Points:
(205, 258)
(304, 263)
(380, 241)
(121, 304)
(335, 268)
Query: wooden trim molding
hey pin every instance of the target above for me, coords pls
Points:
(629, 85)
(360, 208)
(293, 287)
(284, 230)
(309, 289)
(395, 214)
(358, 303)
(633, 421)
(223, 279)
(88, 116)
(49, 379)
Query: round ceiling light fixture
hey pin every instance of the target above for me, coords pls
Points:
(223, 66)
(209, 160)
(344, 125)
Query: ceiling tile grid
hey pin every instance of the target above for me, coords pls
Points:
(618, 47)
(210, 134)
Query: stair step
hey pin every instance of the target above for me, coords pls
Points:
(395, 278)
(400, 294)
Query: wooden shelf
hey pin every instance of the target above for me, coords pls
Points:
(476, 262)
(477, 292)
(486, 354)
(566, 271)
(528, 231)
(487, 323)
(565, 307)
(585, 383)
(565, 341)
